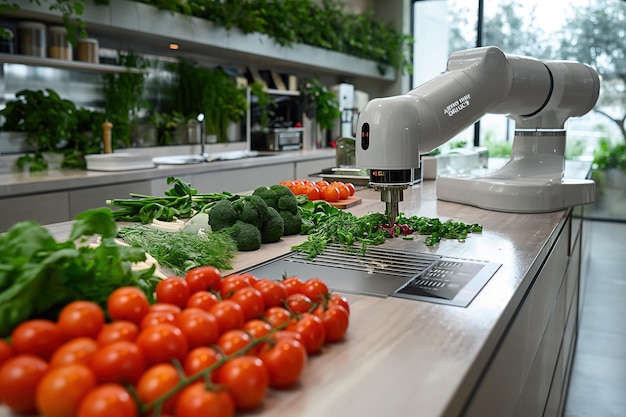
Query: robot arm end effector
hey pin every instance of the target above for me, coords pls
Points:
(394, 131)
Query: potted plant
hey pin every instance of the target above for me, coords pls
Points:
(48, 121)
(321, 104)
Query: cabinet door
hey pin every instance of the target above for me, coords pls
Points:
(43, 208)
(244, 179)
(94, 197)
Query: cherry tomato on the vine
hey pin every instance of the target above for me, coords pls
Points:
(229, 315)
(335, 319)
(202, 299)
(292, 285)
(284, 359)
(37, 337)
(81, 318)
(203, 278)
(173, 290)
(246, 379)
(118, 330)
(250, 300)
(162, 343)
(277, 317)
(157, 317)
(274, 292)
(119, 362)
(198, 326)
(61, 390)
(340, 300)
(156, 381)
(165, 307)
(6, 352)
(197, 401)
(233, 341)
(232, 283)
(331, 194)
(74, 351)
(128, 303)
(199, 359)
(19, 377)
(298, 303)
(312, 330)
(108, 400)
(315, 289)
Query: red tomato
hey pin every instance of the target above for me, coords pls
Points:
(232, 283)
(273, 292)
(257, 328)
(344, 192)
(298, 303)
(292, 285)
(202, 299)
(6, 352)
(233, 341)
(331, 194)
(313, 192)
(277, 317)
(203, 278)
(246, 379)
(19, 377)
(75, 351)
(118, 362)
(250, 278)
(284, 361)
(162, 343)
(322, 183)
(350, 188)
(165, 307)
(157, 317)
(196, 401)
(335, 319)
(340, 300)
(37, 337)
(155, 382)
(128, 303)
(315, 289)
(173, 290)
(116, 331)
(198, 326)
(200, 359)
(229, 315)
(108, 400)
(61, 390)
(312, 330)
(251, 302)
(81, 318)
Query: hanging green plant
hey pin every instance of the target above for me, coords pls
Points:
(123, 95)
(265, 104)
(209, 91)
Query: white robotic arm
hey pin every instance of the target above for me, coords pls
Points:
(539, 95)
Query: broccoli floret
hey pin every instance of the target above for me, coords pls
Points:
(269, 196)
(280, 190)
(292, 222)
(251, 209)
(222, 215)
(288, 203)
(246, 235)
(274, 228)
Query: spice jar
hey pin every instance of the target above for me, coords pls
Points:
(32, 39)
(87, 50)
(58, 45)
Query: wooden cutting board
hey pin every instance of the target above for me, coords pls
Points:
(346, 202)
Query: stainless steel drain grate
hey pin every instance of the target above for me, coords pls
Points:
(383, 272)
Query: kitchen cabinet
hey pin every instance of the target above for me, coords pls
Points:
(58, 195)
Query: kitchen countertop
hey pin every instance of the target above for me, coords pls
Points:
(406, 357)
(23, 183)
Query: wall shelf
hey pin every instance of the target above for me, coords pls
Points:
(63, 64)
(128, 25)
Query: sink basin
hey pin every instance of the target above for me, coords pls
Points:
(209, 157)
(118, 162)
